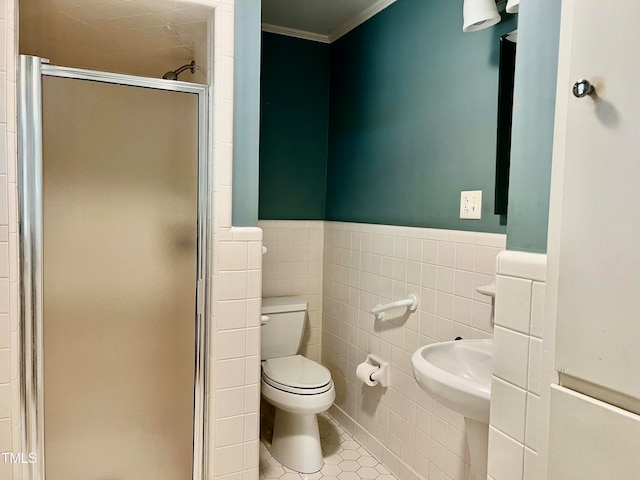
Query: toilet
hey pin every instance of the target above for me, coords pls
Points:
(299, 388)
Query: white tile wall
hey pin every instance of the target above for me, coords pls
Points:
(234, 380)
(236, 274)
(9, 385)
(293, 266)
(506, 458)
(413, 435)
(517, 350)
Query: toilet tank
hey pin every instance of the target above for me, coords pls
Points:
(282, 334)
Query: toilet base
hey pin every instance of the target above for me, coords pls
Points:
(296, 441)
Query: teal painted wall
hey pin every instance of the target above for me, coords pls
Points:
(413, 118)
(246, 116)
(294, 128)
(533, 121)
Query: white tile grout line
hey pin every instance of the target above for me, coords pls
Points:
(344, 458)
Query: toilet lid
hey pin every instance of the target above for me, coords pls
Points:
(296, 371)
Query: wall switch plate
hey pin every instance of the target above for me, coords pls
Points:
(471, 204)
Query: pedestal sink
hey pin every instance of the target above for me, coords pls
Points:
(458, 375)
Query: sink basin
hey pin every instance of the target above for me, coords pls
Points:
(458, 375)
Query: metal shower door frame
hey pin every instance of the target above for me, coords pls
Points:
(30, 243)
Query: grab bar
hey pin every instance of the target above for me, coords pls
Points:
(411, 303)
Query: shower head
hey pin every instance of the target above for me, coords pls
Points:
(173, 75)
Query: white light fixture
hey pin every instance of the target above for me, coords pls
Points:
(479, 14)
(512, 6)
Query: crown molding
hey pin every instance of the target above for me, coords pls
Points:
(342, 30)
(359, 19)
(292, 32)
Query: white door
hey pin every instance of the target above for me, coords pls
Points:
(598, 315)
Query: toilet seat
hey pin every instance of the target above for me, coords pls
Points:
(297, 391)
(296, 375)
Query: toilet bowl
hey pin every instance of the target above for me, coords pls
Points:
(299, 388)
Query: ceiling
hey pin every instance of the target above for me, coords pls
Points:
(320, 20)
(151, 37)
(142, 37)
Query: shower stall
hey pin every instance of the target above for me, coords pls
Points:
(113, 246)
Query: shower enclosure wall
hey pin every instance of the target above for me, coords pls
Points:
(113, 256)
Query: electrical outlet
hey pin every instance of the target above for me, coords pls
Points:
(471, 204)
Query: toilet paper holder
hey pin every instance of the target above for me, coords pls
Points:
(382, 375)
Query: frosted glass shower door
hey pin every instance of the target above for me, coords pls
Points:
(120, 192)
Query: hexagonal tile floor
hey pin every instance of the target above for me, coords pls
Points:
(344, 459)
